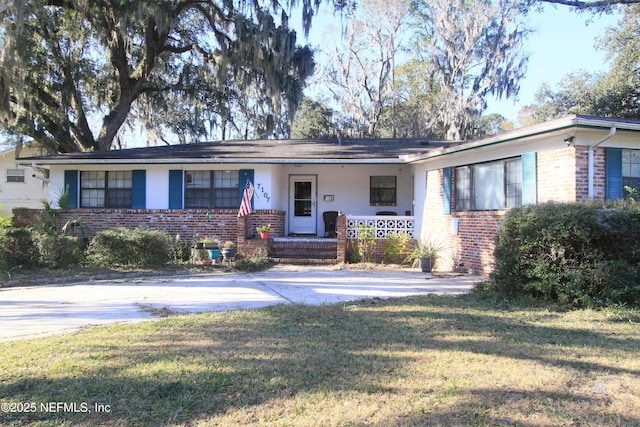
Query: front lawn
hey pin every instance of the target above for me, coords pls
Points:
(413, 361)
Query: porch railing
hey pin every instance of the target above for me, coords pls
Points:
(384, 225)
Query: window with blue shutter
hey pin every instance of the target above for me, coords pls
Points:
(446, 191)
(71, 186)
(613, 173)
(138, 189)
(175, 189)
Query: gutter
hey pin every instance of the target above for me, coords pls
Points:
(591, 167)
(213, 160)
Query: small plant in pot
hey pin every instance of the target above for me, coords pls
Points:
(210, 243)
(263, 231)
(228, 250)
(424, 254)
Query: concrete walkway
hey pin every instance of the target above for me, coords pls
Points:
(45, 310)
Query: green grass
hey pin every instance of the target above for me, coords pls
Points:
(415, 361)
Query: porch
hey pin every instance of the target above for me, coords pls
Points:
(330, 250)
(225, 225)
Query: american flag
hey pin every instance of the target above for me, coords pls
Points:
(245, 206)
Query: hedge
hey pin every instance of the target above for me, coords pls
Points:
(578, 254)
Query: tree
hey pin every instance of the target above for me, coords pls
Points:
(361, 72)
(313, 121)
(474, 49)
(491, 124)
(73, 72)
(417, 94)
(613, 94)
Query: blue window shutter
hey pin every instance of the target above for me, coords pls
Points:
(71, 185)
(529, 187)
(446, 191)
(138, 189)
(613, 173)
(244, 175)
(175, 189)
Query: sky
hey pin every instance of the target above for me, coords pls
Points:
(563, 42)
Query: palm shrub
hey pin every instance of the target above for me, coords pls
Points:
(577, 254)
(121, 246)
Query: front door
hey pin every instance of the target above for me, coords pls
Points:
(302, 204)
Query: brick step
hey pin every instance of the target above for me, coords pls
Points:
(305, 251)
(297, 253)
(304, 261)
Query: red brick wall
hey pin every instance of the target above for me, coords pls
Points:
(221, 224)
(471, 249)
(556, 175)
(562, 175)
(435, 225)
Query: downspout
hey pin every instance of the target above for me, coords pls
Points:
(591, 166)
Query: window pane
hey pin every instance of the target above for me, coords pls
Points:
(514, 183)
(198, 179)
(92, 185)
(92, 179)
(631, 163)
(196, 198)
(15, 175)
(463, 188)
(119, 179)
(92, 198)
(226, 198)
(119, 198)
(488, 186)
(383, 191)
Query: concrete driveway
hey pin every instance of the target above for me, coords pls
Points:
(45, 310)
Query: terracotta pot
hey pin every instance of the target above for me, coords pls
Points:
(264, 235)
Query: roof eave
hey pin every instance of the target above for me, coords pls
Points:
(213, 160)
(557, 125)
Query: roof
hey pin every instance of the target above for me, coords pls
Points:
(565, 124)
(372, 151)
(385, 150)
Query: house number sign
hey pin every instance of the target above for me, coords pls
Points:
(263, 191)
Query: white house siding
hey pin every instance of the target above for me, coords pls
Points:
(347, 183)
(27, 194)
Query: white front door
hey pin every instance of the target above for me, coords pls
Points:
(302, 204)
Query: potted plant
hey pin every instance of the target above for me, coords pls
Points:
(263, 231)
(209, 243)
(425, 254)
(212, 247)
(228, 250)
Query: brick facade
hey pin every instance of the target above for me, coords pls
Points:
(221, 224)
(562, 176)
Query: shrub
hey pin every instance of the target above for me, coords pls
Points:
(578, 254)
(59, 251)
(5, 221)
(121, 246)
(366, 242)
(396, 247)
(17, 249)
(252, 264)
(179, 250)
